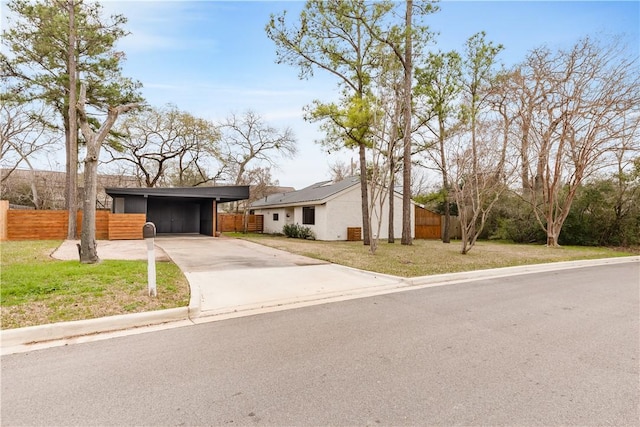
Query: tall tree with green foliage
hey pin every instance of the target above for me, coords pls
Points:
(335, 36)
(401, 40)
(39, 57)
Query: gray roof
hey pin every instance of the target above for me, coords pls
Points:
(311, 194)
(225, 193)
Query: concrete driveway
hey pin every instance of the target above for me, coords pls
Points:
(230, 275)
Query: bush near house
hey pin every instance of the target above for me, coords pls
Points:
(298, 231)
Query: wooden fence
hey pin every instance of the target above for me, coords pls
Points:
(428, 224)
(126, 226)
(235, 223)
(52, 225)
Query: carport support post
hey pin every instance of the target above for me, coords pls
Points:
(149, 234)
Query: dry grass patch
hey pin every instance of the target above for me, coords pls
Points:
(428, 257)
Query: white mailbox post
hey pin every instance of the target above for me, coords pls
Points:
(149, 234)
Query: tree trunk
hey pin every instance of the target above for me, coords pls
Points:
(406, 156)
(88, 249)
(446, 232)
(71, 131)
(364, 193)
(464, 235)
(552, 231)
(94, 140)
(392, 183)
(445, 183)
(551, 240)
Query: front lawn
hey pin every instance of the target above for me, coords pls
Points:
(427, 257)
(37, 289)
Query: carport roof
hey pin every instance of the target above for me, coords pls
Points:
(222, 194)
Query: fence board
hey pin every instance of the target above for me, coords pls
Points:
(126, 226)
(235, 223)
(36, 225)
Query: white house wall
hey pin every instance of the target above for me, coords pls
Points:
(397, 219)
(270, 226)
(344, 211)
(333, 218)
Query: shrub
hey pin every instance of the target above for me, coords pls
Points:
(297, 231)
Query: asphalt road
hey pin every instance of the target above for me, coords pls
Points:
(558, 348)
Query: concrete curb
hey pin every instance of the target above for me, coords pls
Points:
(443, 279)
(195, 301)
(61, 330)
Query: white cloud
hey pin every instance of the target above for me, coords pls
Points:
(158, 25)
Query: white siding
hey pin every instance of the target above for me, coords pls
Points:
(397, 219)
(344, 211)
(333, 218)
(271, 226)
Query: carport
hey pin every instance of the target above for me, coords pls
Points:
(177, 210)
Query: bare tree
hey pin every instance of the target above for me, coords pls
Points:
(478, 163)
(340, 170)
(576, 123)
(24, 135)
(626, 178)
(248, 141)
(480, 174)
(384, 157)
(261, 184)
(168, 146)
(249, 144)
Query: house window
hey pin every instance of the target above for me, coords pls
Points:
(276, 217)
(309, 215)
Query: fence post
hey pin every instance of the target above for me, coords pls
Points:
(4, 208)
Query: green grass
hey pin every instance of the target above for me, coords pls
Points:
(37, 289)
(428, 257)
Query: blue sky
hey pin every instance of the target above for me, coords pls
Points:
(212, 58)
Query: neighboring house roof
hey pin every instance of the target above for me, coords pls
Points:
(222, 194)
(312, 194)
